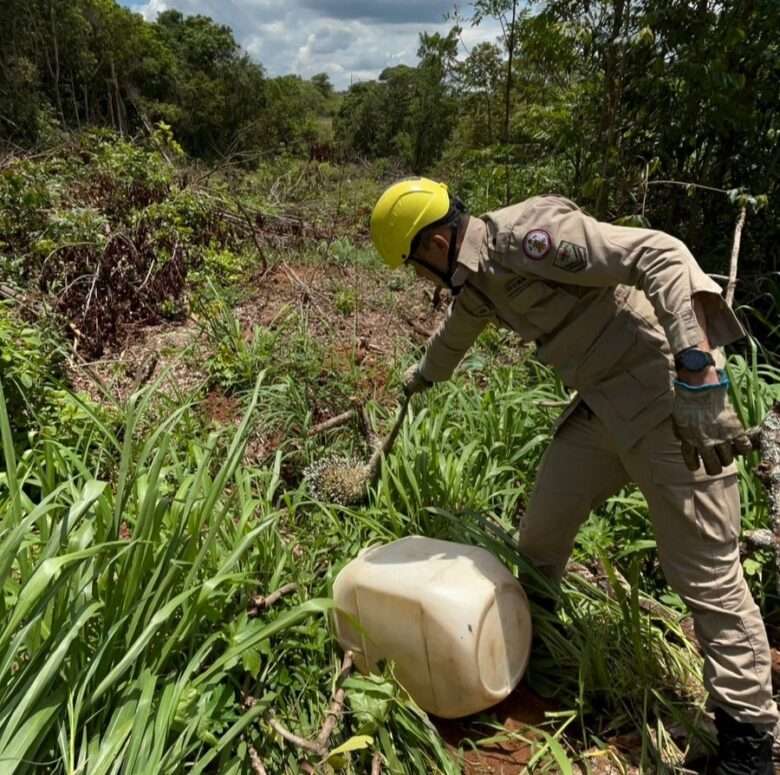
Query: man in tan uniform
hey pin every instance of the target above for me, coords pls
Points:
(627, 318)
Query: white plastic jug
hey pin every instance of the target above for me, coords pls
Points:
(453, 619)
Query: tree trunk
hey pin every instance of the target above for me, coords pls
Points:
(614, 86)
(75, 101)
(508, 94)
(117, 98)
(507, 101)
(734, 264)
(56, 68)
(111, 105)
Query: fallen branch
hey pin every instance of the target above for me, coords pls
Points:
(257, 764)
(417, 328)
(261, 603)
(307, 292)
(301, 742)
(332, 717)
(333, 422)
(336, 706)
(253, 232)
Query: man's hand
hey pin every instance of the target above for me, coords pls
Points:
(414, 382)
(708, 426)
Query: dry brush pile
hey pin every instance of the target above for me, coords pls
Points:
(108, 230)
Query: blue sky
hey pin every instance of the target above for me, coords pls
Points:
(348, 39)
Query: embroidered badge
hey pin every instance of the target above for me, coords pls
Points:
(571, 257)
(537, 244)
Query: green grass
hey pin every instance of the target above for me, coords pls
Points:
(127, 641)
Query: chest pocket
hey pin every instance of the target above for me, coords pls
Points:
(544, 306)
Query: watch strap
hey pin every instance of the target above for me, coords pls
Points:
(704, 358)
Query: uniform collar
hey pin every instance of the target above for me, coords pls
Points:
(472, 249)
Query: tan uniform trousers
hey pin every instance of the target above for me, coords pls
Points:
(696, 519)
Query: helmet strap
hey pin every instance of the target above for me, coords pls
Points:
(452, 257)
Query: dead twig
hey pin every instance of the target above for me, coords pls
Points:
(376, 763)
(417, 328)
(253, 232)
(333, 715)
(256, 762)
(333, 422)
(301, 742)
(261, 603)
(307, 292)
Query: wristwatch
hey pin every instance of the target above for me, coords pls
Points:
(693, 359)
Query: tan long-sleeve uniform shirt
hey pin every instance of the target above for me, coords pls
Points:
(607, 305)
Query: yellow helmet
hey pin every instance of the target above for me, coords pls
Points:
(402, 212)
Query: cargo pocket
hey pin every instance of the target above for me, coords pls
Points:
(544, 306)
(630, 392)
(708, 502)
(610, 347)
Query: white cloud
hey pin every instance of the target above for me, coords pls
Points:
(348, 39)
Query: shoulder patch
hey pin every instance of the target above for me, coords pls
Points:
(571, 257)
(537, 244)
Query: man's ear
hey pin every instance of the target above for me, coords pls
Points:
(442, 242)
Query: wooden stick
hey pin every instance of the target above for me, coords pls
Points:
(375, 462)
(376, 764)
(301, 742)
(256, 762)
(333, 715)
(333, 422)
(260, 603)
(308, 292)
(418, 329)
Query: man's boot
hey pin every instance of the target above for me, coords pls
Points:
(742, 748)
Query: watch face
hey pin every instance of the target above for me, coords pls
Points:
(695, 360)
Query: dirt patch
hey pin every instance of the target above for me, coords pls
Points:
(355, 301)
(149, 352)
(358, 316)
(521, 710)
(221, 409)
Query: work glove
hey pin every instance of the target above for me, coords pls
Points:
(414, 382)
(707, 426)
